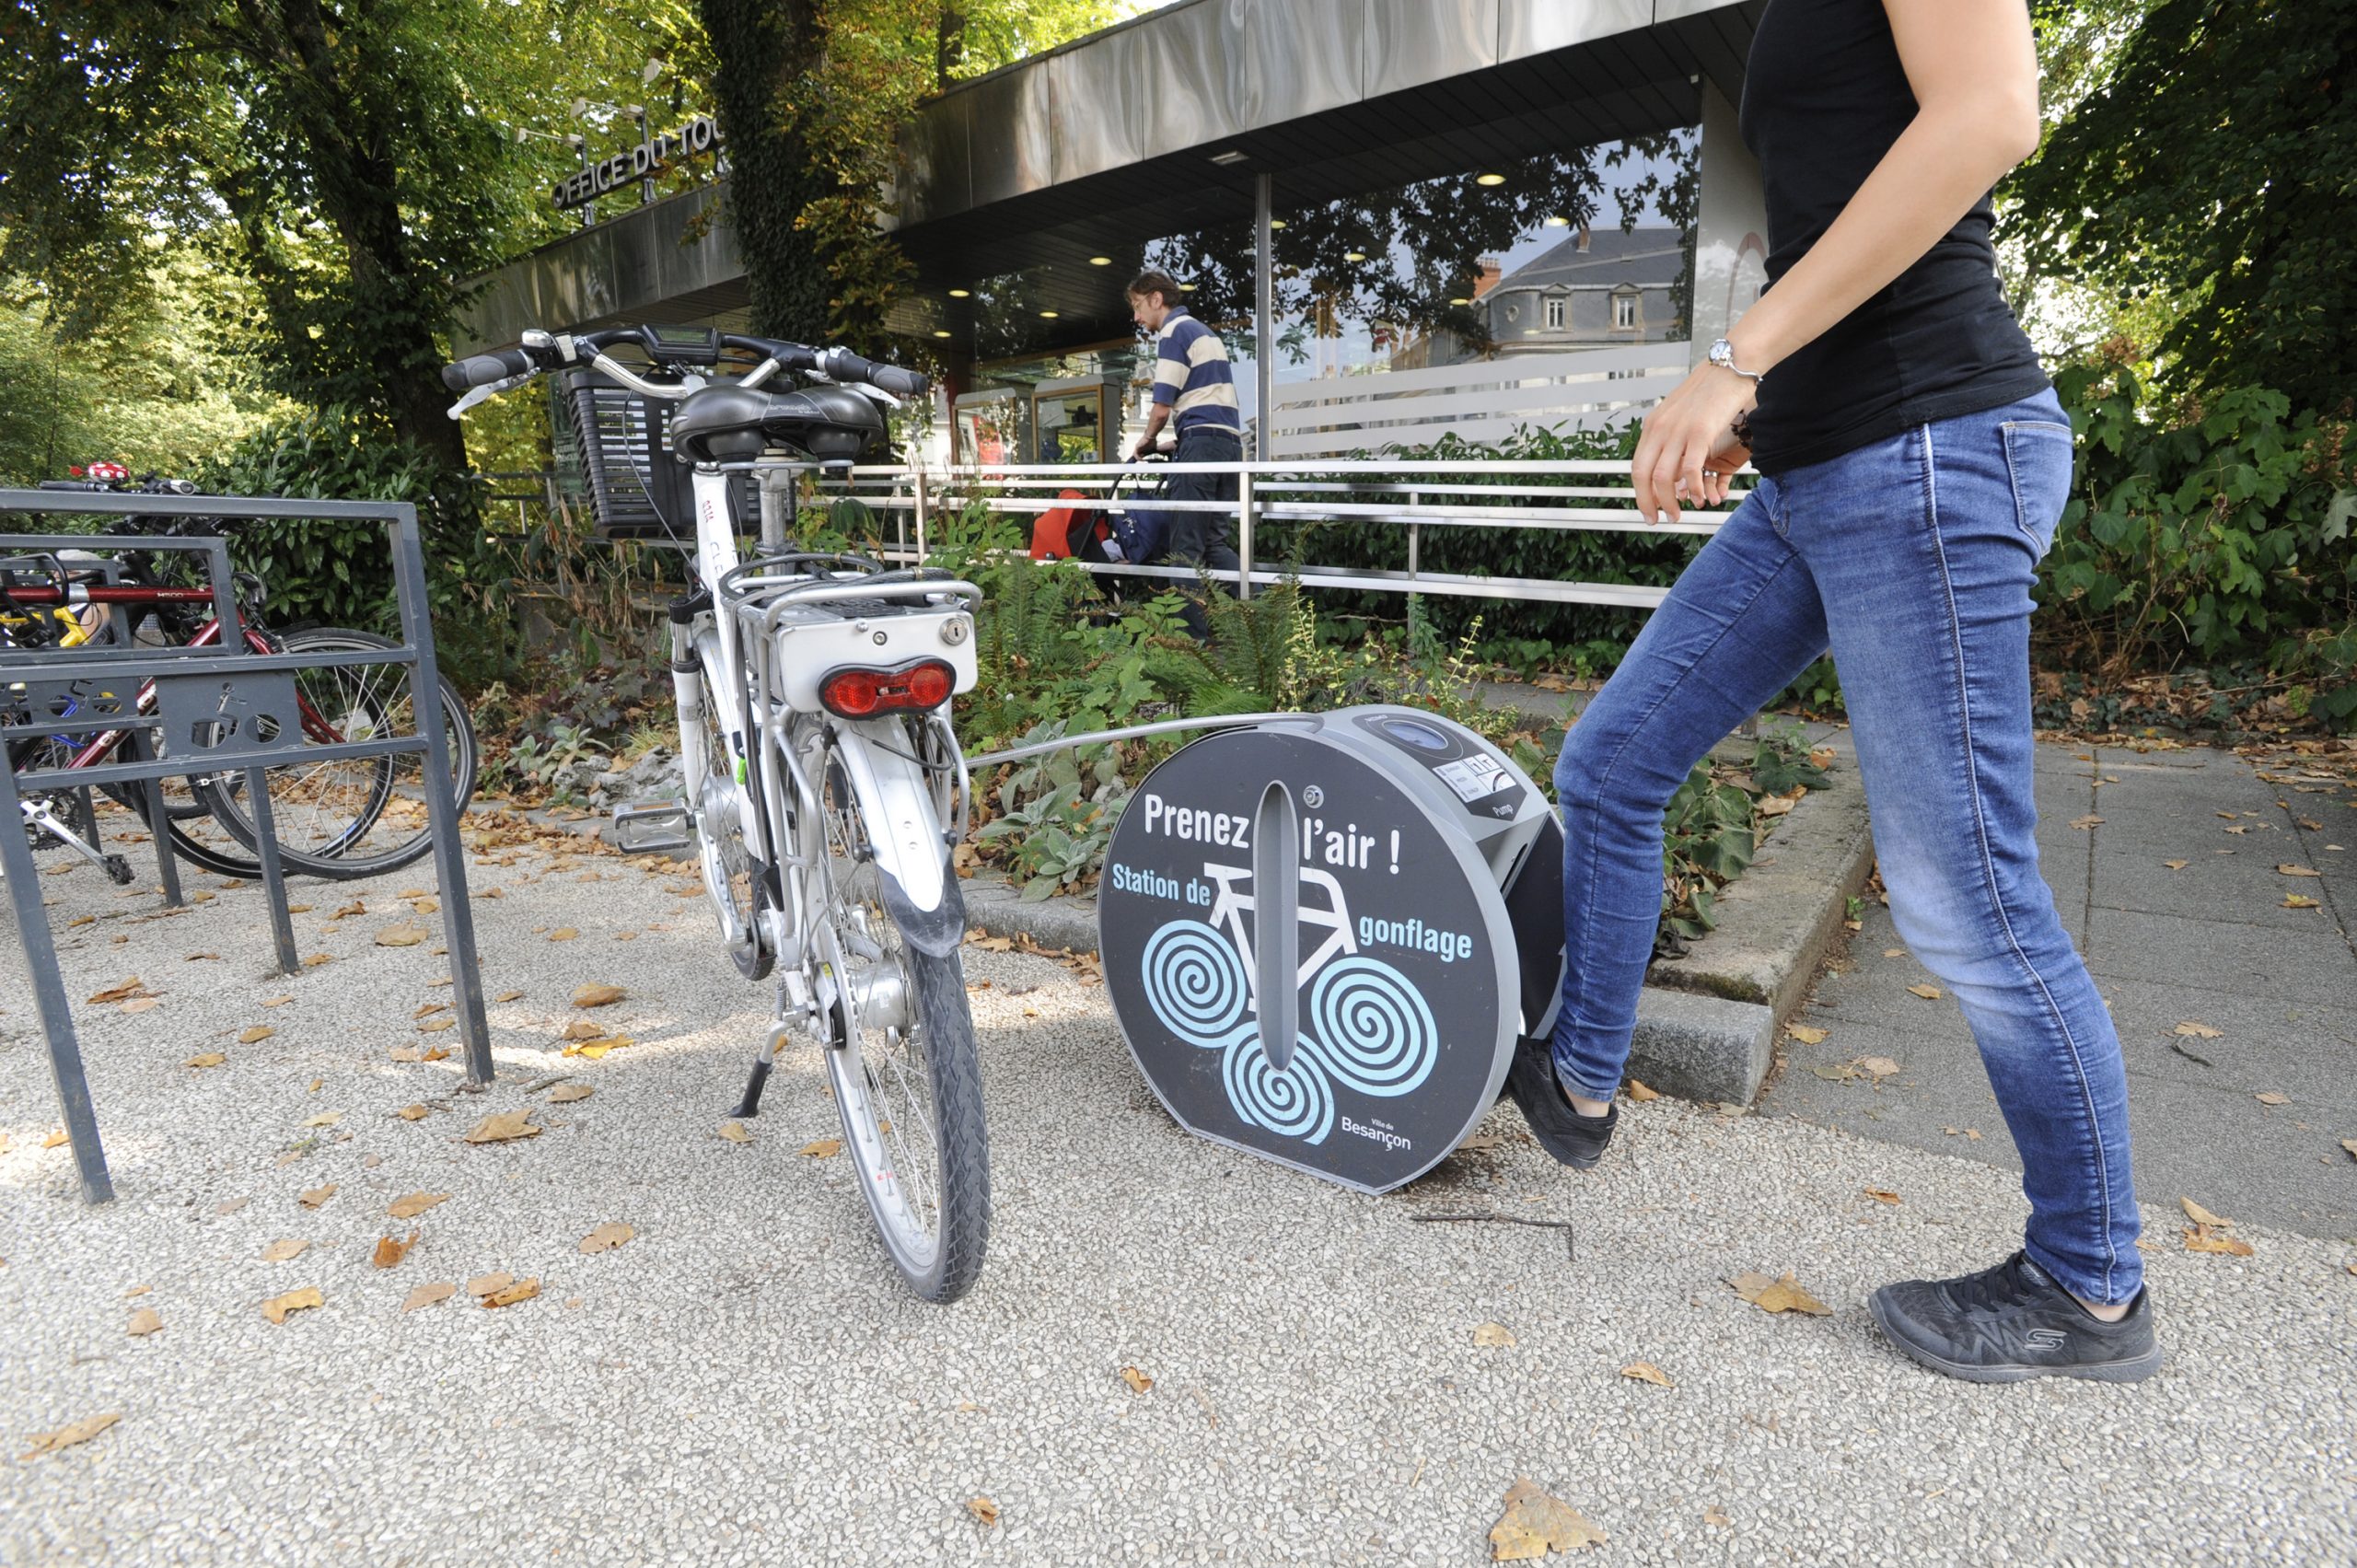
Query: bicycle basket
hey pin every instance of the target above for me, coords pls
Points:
(613, 452)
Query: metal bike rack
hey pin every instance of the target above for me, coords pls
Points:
(217, 709)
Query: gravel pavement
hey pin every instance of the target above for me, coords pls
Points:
(745, 1381)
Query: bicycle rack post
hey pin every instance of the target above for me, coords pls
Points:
(273, 876)
(441, 810)
(159, 822)
(50, 999)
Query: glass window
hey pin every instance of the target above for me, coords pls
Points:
(1624, 310)
(1555, 314)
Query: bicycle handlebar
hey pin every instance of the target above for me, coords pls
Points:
(486, 374)
(484, 368)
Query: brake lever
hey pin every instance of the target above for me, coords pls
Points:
(486, 392)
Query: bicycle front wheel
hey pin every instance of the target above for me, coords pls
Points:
(901, 1062)
(346, 819)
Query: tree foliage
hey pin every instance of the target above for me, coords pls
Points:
(2216, 161)
(353, 159)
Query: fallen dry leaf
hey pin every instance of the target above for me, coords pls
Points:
(509, 996)
(2201, 1215)
(1928, 992)
(317, 1084)
(982, 1508)
(568, 1094)
(230, 1205)
(416, 1203)
(1493, 1336)
(276, 1001)
(1646, 1372)
(2291, 901)
(255, 1035)
(522, 1290)
(1715, 1515)
(1882, 1195)
(606, 1238)
(402, 936)
(66, 1436)
(2202, 1238)
(277, 1308)
(324, 1119)
(121, 991)
(413, 1113)
(142, 1003)
(1641, 1093)
(1782, 1295)
(314, 960)
(2089, 821)
(564, 933)
(2288, 870)
(316, 1195)
(1138, 1381)
(1876, 1067)
(2192, 1031)
(1805, 1034)
(2273, 1097)
(1535, 1524)
(582, 1028)
(137, 1291)
(282, 1251)
(484, 1285)
(389, 1251)
(205, 1059)
(596, 1050)
(54, 1139)
(503, 1126)
(345, 911)
(427, 1009)
(2349, 1146)
(435, 1026)
(2177, 864)
(427, 1295)
(597, 996)
(824, 1148)
(1893, 952)
(145, 1321)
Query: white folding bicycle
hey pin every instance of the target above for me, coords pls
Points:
(825, 788)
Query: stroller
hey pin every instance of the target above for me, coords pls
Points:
(1134, 531)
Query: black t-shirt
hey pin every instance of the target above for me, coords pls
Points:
(1824, 97)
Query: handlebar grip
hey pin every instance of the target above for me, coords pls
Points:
(82, 486)
(844, 365)
(485, 368)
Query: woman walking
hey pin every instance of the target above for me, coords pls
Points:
(1915, 462)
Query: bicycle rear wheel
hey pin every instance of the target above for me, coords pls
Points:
(905, 1074)
(360, 817)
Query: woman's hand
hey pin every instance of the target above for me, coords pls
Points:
(1685, 434)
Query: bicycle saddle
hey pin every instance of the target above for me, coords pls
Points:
(729, 424)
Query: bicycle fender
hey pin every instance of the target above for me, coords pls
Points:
(920, 887)
(937, 932)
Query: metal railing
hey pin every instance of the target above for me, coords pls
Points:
(1412, 496)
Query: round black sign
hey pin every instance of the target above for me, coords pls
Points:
(1386, 1041)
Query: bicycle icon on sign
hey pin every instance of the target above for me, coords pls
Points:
(1366, 1027)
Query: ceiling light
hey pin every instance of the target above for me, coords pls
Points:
(1489, 179)
(1460, 299)
(962, 293)
(1354, 255)
(1186, 288)
(1101, 260)
(1047, 315)
(1276, 223)
(940, 331)
(1229, 158)
(1558, 221)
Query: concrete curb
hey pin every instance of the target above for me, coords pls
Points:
(1707, 1021)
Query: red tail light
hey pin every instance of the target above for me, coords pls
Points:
(863, 694)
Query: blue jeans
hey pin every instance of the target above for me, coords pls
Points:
(1911, 559)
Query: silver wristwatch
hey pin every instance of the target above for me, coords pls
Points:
(1722, 354)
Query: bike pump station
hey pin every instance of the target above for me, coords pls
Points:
(1325, 933)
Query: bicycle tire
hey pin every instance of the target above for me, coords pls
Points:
(348, 854)
(865, 1065)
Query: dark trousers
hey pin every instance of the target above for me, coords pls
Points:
(1202, 538)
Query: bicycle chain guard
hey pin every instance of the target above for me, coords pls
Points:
(1324, 938)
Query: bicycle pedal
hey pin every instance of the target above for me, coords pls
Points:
(118, 868)
(652, 827)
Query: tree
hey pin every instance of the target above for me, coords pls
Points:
(355, 159)
(2217, 162)
(810, 96)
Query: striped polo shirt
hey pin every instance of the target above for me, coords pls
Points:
(1190, 375)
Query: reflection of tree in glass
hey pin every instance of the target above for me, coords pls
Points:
(1409, 259)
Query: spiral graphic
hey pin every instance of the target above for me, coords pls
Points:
(1196, 985)
(1370, 1028)
(1296, 1103)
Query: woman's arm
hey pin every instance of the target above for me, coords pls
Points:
(1973, 68)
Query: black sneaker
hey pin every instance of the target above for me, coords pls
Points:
(2013, 1322)
(1577, 1141)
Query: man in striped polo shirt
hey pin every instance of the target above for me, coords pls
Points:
(1194, 392)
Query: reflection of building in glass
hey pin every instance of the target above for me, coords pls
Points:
(1592, 288)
